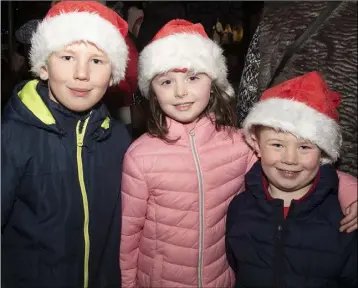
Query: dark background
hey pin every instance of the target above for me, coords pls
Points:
(156, 14)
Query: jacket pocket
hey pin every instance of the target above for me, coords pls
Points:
(156, 274)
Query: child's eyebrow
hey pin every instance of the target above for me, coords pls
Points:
(274, 139)
(74, 52)
(163, 75)
(67, 51)
(306, 142)
(98, 55)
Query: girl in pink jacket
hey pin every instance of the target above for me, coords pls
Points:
(179, 178)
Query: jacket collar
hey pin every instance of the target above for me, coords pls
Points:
(203, 129)
(31, 104)
(326, 184)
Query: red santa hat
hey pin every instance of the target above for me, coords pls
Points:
(71, 21)
(303, 106)
(181, 44)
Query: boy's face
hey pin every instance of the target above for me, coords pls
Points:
(78, 76)
(183, 96)
(289, 163)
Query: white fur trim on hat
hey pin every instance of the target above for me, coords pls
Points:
(179, 51)
(299, 119)
(55, 33)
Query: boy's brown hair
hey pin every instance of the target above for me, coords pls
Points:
(220, 104)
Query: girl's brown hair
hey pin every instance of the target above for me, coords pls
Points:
(220, 104)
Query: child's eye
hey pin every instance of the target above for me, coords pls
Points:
(67, 58)
(166, 82)
(193, 78)
(97, 61)
(276, 145)
(305, 147)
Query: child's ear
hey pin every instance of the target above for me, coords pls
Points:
(255, 144)
(44, 73)
(111, 81)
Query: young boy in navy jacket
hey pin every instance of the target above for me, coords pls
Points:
(283, 231)
(62, 155)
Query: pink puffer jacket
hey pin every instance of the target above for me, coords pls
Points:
(175, 199)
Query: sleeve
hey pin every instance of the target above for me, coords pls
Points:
(108, 276)
(135, 195)
(348, 277)
(10, 179)
(247, 94)
(229, 253)
(251, 159)
(109, 270)
(347, 189)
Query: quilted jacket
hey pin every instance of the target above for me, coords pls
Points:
(174, 204)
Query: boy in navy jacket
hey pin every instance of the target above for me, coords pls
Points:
(62, 155)
(283, 231)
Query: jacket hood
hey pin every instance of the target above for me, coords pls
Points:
(30, 104)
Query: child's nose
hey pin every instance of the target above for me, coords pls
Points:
(81, 71)
(290, 156)
(181, 90)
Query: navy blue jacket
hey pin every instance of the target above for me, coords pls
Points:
(60, 193)
(304, 250)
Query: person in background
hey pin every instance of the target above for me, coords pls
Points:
(119, 98)
(238, 32)
(17, 68)
(122, 99)
(62, 153)
(217, 32)
(334, 56)
(179, 178)
(23, 36)
(135, 19)
(283, 230)
(226, 37)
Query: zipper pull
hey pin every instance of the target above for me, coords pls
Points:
(80, 132)
(192, 133)
(80, 126)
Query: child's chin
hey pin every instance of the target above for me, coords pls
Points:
(78, 107)
(186, 120)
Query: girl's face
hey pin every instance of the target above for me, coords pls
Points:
(183, 95)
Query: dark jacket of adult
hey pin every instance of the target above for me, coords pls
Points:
(304, 250)
(331, 50)
(60, 193)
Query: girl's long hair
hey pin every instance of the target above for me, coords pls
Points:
(220, 104)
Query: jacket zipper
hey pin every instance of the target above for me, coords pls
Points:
(80, 133)
(278, 248)
(201, 208)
